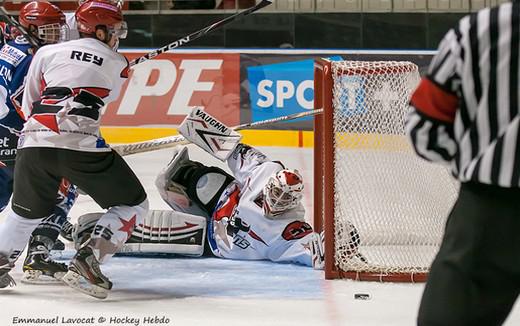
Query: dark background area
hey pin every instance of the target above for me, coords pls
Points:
(296, 30)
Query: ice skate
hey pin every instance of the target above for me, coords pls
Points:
(5, 266)
(38, 266)
(85, 275)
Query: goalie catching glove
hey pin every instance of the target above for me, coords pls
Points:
(208, 133)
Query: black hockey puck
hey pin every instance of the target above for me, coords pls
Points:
(362, 296)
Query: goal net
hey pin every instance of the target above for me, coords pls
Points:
(383, 209)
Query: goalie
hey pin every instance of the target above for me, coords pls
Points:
(253, 214)
(256, 214)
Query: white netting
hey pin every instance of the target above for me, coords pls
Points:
(397, 202)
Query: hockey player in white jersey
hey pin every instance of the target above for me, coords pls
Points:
(67, 85)
(46, 23)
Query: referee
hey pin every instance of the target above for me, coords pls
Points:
(465, 114)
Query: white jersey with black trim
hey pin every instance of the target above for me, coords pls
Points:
(67, 85)
(238, 227)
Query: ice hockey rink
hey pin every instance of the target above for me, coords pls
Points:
(211, 291)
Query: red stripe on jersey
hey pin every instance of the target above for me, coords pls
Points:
(20, 112)
(125, 71)
(228, 207)
(434, 101)
(43, 84)
(48, 120)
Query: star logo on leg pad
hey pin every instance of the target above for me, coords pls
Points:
(128, 226)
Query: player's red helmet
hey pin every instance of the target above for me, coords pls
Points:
(49, 20)
(283, 191)
(100, 13)
(118, 3)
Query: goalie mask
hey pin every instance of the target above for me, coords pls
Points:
(282, 192)
(45, 21)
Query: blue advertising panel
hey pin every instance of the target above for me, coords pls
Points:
(282, 88)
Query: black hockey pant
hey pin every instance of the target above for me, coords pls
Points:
(104, 176)
(475, 277)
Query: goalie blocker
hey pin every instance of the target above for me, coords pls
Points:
(165, 232)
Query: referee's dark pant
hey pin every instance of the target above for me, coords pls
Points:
(475, 278)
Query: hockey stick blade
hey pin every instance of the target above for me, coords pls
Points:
(13, 22)
(171, 141)
(195, 35)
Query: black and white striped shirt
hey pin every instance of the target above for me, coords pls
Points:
(466, 110)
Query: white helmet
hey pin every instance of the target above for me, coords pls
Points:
(282, 192)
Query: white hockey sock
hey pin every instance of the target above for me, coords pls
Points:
(115, 227)
(15, 232)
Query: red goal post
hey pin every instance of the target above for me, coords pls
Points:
(382, 208)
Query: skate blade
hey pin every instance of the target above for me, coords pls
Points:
(78, 282)
(37, 277)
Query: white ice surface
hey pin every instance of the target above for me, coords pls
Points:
(212, 291)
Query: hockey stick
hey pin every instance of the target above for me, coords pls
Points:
(13, 22)
(170, 141)
(278, 119)
(199, 33)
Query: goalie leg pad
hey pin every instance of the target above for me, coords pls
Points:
(163, 232)
(168, 232)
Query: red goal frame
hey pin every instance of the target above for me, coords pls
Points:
(324, 191)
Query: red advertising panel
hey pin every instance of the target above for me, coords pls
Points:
(162, 91)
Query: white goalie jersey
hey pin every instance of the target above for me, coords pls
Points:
(238, 228)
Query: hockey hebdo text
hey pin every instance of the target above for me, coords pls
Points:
(92, 321)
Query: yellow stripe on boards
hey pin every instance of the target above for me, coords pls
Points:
(124, 135)
(284, 138)
(288, 138)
